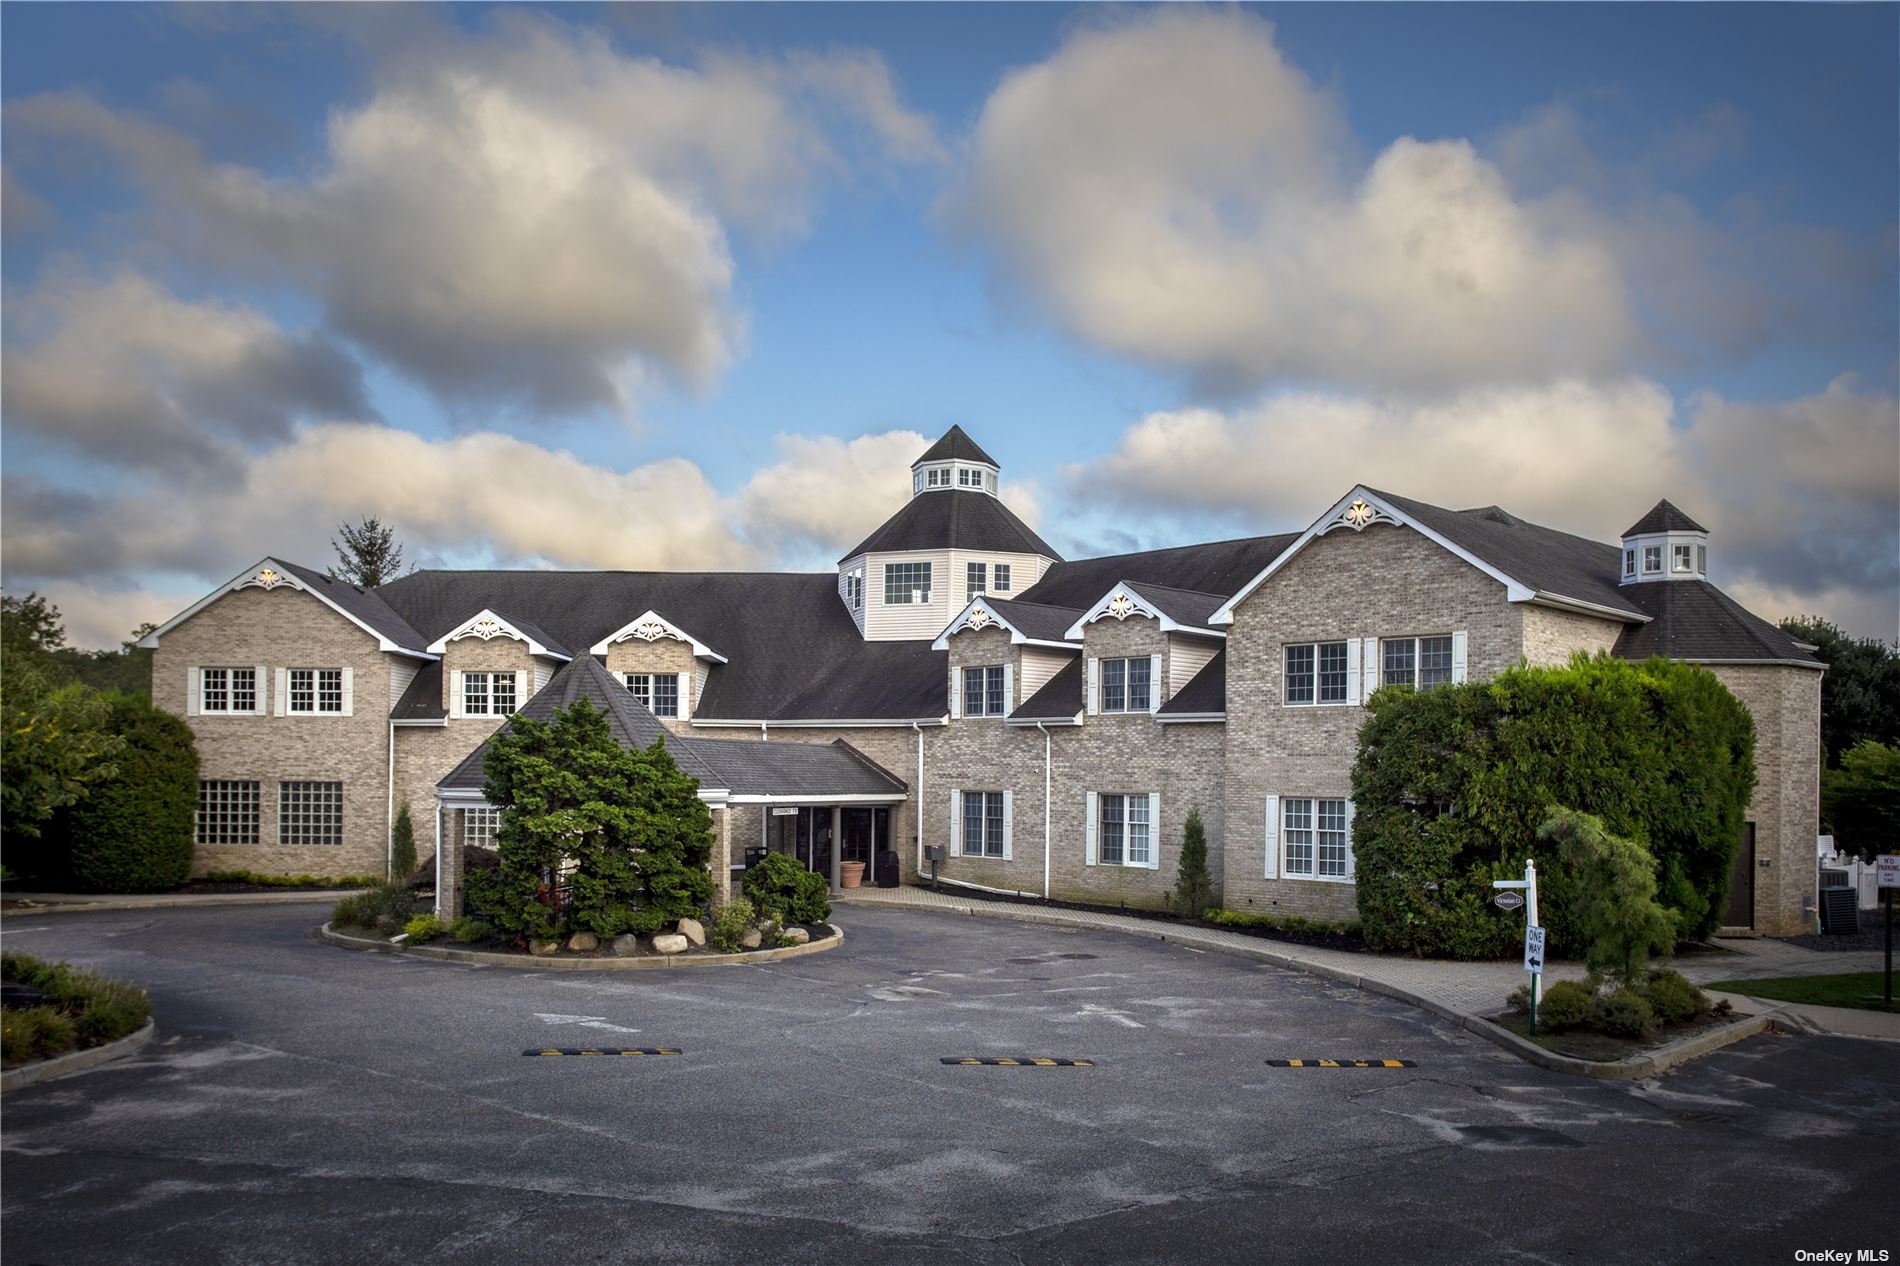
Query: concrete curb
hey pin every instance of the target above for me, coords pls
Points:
(1634, 1068)
(306, 896)
(77, 1061)
(488, 958)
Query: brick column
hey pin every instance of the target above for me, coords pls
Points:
(721, 863)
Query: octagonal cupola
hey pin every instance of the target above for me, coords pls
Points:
(953, 462)
(1665, 544)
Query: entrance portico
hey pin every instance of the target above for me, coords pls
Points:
(822, 833)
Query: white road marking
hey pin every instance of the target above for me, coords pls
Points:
(584, 1021)
(1090, 1009)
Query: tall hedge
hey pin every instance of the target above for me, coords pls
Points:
(133, 831)
(1451, 785)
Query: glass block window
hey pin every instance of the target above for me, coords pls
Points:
(905, 583)
(227, 811)
(310, 813)
(1316, 673)
(1127, 684)
(316, 690)
(227, 690)
(479, 827)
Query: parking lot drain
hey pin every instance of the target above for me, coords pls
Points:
(1025, 1061)
(605, 1050)
(1341, 1063)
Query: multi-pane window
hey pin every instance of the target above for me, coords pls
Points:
(310, 813)
(985, 692)
(983, 824)
(905, 583)
(854, 589)
(316, 690)
(1419, 662)
(488, 694)
(479, 827)
(1629, 562)
(1702, 560)
(1126, 835)
(1652, 559)
(1127, 684)
(975, 578)
(1316, 673)
(227, 811)
(1002, 578)
(227, 690)
(917, 482)
(1682, 559)
(1316, 838)
(964, 476)
(660, 692)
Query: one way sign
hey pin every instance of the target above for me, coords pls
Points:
(1534, 950)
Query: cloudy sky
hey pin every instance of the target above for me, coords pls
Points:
(659, 287)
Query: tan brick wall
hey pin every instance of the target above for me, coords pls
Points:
(1551, 636)
(287, 628)
(424, 756)
(1786, 704)
(666, 655)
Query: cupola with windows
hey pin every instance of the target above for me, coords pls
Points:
(1665, 544)
(954, 461)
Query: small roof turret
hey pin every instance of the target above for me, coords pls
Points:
(956, 445)
(1665, 517)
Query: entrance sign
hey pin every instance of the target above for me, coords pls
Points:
(784, 813)
(1534, 950)
(1508, 901)
(1533, 931)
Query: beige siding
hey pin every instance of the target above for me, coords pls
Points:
(949, 591)
(1186, 657)
(402, 671)
(1037, 667)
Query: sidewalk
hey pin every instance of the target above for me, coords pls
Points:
(1453, 990)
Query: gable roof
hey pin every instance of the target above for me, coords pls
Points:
(1664, 517)
(1205, 695)
(362, 607)
(957, 445)
(649, 625)
(1060, 698)
(954, 518)
(422, 699)
(1182, 610)
(1218, 567)
(1026, 621)
(1693, 620)
(539, 643)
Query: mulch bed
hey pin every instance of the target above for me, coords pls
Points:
(1584, 1044)
(1872, 936)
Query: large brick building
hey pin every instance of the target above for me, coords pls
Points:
(1050, 724)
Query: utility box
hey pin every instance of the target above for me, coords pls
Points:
(935, 853)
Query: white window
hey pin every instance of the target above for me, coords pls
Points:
(905, 583)
(227, 811)
(985, 691)
(660, 692)
(1682, 559)
(854, 589)
(1652, 560)
(938, 477)
(1126, 833)
(1002, 578)
(316, 691)
(1317, 838)
(917, 482)
(1629, 562)
(983, 820)
(227, 690)
(1127, 684)
(1418, 662)
(488, 694)
(1702, 560)
(479, 827)
(964, 474)
(310, 813)
(1316, 672)
(974, 575)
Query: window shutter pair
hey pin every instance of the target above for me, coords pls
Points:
(1457, 656)
(1353, 671)
(1094, 690)
(956, 694)
(1273, 837)
(1089, 835)
(1369, 663)
(455, 694)
(1154, 683)
(194, 690)
(684, 706)
(956, 824)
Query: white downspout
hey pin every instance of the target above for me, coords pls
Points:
(917, 795)
(1045, 808)
(438, 859)
(763, 736)
(389, 823)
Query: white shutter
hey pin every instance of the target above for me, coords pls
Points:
(1369, 661)
(1094, 705)
(1273, 837)
(455, 694)
(194, 690)
(349, 692)
(1009, 825)
(259, 682)
(1154, 683)
(1088, 853)
(680, 708)
(1352, 670)
(1154, 830)
(280, 693)
(956, 825)
(956, 694)
(1009, 694)
(1351, 869)
(1457, 656)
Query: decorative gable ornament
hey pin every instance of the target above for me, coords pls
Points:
(264, 578)
(486, 627)
(1360, 515)
(1121, 606)
(652, 629)
(979, 619)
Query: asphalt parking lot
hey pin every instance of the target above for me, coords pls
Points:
(310, 1104)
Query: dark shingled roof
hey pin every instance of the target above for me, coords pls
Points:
(529, 629)
(1696, 621)
(1205, 693)
(741, 767)
(956, 445)
(1219, 567)
(1665, 517)
(1033, 620)
(422, 701)
(954, 518)
(1059, 699)
(1183, 606)
(367, 605)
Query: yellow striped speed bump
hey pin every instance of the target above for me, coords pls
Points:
(1024, 1061)
(607, 1050)
(1341, 1063)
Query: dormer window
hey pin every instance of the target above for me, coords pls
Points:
(917, 482)
(1629, 562)
(1701, 560)
(1682, 559)
(1652, 560)
(1002, 578)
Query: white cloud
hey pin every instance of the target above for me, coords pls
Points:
(828, 492)
(99, 618)
(1167, 186)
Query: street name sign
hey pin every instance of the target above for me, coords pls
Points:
(1508, 901)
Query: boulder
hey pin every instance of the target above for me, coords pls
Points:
(669, 943)
(751, 939)
(693, 931)
(626, 945)
(541, 949)
(581, 942)
(797, 936)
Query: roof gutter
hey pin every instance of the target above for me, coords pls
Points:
(1190, 718)
(1543, 599)
(848, 723)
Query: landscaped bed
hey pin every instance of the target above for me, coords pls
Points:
(1859, 990)
(476, 936)
(53, 1008)
(1586, 1044)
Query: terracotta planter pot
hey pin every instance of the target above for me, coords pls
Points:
(851, 874)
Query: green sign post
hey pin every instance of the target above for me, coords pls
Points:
(1533, 930)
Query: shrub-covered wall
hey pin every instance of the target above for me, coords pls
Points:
(133, 831)
(1451, 785)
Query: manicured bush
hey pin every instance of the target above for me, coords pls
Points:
(132, 832)
(424, 927)
(730, 924)
(470, 931)
(82, 1008)
(290, 881)
(1612, 897)
(1451, 784)
(355, 910)
(1625, 1013)
(402, 846)
(1274, 923)
(779, 888)
(1567, 1004)
(392, 904)
(1193, 888)
(1673, 998)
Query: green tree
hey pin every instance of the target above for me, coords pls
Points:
(1193, 885)
(624, 829)
(368, 554)
(30, 630)
(1860, 801)
(1612, 900)
(1860, 695)
(402, 846)
(56, 741)
(133, 831)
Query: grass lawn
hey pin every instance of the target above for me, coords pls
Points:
(1860, 990)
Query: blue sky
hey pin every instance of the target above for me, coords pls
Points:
(680, 286)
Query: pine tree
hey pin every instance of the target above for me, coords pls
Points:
(1193, 885)
(402, 847)
(368, 554)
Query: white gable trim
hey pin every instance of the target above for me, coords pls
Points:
(979, 614)
(271, 574)
(1124, 601)
(487, 625)
(651, 627)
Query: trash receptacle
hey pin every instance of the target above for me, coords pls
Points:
(886, 874)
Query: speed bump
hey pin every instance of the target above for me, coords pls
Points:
(607, 1050)
(1023, 1061)
(1341, 1063)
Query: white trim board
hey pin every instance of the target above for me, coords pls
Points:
(486, 625)
(968, 618)
(1124, 601)
(651, 626)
